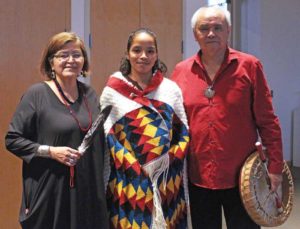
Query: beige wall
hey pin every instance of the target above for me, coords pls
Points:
(112, 21)
(25, 28)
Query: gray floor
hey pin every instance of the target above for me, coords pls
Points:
(293, 222)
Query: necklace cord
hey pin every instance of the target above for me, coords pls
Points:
(67, 104)
(62, 92)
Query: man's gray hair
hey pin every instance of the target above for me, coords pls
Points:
(201, 10)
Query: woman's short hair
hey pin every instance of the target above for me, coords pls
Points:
(56, 43)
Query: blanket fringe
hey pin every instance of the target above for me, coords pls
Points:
(154, 169)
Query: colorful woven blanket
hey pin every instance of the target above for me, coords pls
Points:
(147, 139)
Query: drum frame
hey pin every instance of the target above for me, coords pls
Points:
(252, 170)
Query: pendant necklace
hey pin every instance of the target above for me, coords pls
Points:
(209, 92)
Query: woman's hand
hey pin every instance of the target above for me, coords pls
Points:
(65, 155)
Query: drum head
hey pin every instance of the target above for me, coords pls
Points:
(255, 193)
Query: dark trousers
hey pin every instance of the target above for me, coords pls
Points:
(206, 209)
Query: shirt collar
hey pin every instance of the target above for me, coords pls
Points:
(230, 56)
(121, 83)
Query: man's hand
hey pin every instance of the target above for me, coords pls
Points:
(275, 180)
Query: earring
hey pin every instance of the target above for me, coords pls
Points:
(53, 75)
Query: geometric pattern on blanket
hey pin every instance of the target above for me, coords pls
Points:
(139, 137)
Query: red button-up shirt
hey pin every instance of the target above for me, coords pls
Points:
(224, 129)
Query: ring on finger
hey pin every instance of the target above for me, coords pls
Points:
(72, 161)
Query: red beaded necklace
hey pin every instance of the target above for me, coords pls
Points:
(68, 103)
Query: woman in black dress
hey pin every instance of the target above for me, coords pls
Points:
(61, 188)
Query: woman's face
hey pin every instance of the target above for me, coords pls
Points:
(68, 61)
(142, 54)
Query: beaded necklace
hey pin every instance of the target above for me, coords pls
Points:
(67, 104)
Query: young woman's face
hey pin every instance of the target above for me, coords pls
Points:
(142, 54)
(68, 62)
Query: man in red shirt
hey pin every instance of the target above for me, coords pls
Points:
(228, 104)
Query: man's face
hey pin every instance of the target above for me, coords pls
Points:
(212, 32)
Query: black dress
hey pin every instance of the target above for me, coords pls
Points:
(41, 119)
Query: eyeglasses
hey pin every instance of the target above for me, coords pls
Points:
(63, 56)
